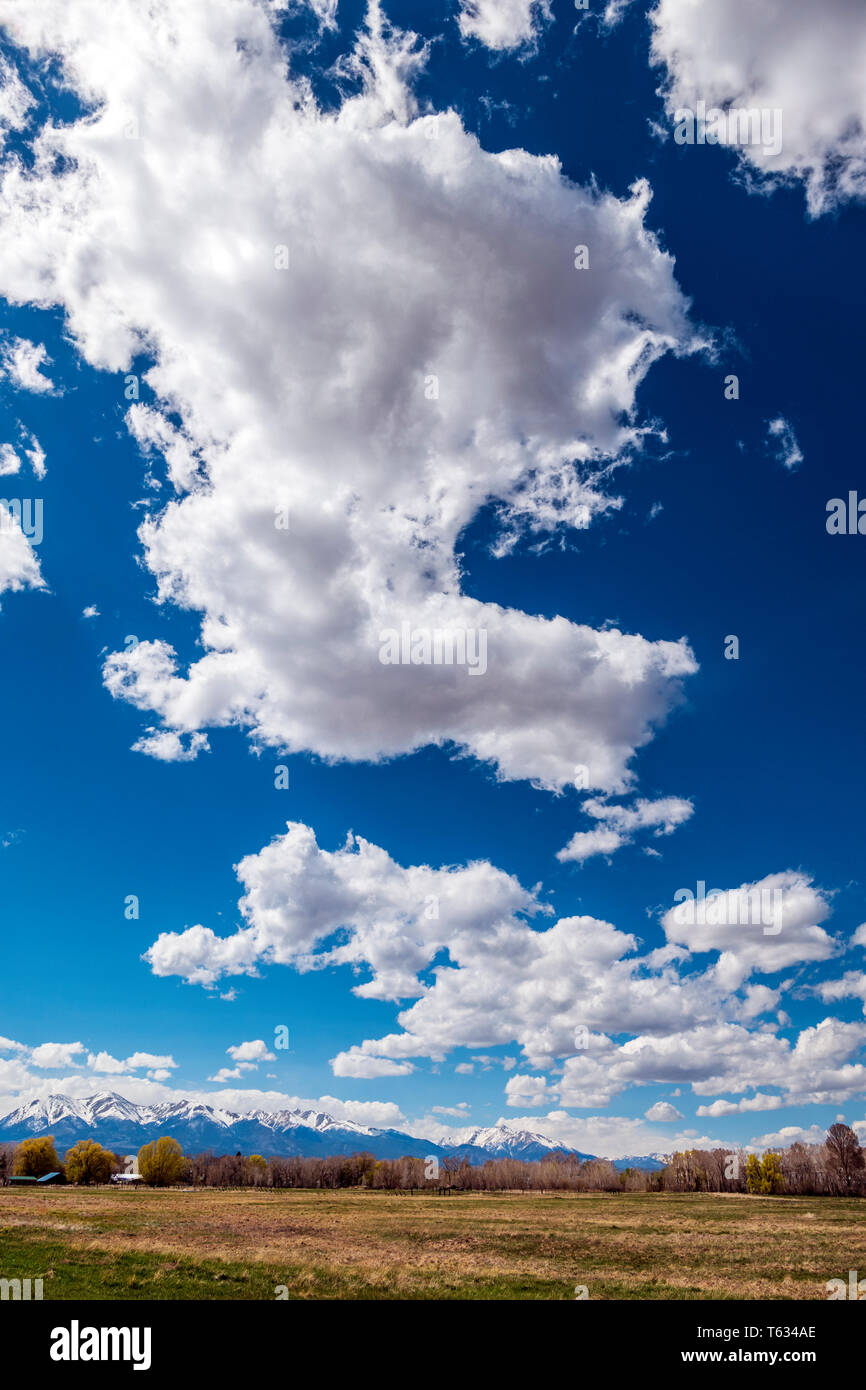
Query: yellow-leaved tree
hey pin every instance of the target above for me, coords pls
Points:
(36, 1157)
(161, 1162)
(88, 1162)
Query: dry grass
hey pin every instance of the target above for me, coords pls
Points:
(346, 1244)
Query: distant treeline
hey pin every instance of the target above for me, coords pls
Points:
(834, 1168)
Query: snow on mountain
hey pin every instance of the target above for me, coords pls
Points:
(501, 1141)
(121, 1125)
(651, 1163)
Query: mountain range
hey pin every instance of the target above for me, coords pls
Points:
(123, 1126)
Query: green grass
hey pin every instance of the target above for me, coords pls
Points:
(203, 1245)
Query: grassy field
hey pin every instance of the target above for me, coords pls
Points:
(212, 1244)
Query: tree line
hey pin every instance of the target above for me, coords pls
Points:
(837, 1167)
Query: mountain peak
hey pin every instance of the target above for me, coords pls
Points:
(120, 1124)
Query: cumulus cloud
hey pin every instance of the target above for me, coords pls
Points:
(418, 297)
(712, 1058)
(460, 942)
(663, 1110)
(503, 24)
(395, 920)
(55, 1054)
(759, 1101)
(852, 985)
(255, 1051)
(618, 825)
(776, 55)
(761, 927)
(790, 1134)
(106, 1063)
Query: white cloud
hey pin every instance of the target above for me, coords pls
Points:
(764, 926)
(790, 1134)
(538, 366)
(22, 361)
(15, 101)
(777, 55)
(663, 1110)
(788, 451)
(167, 745)
(18, 563)
(255, 1051)
(105, 1062)
(35, 454)
(619, 825)
(503, 24)
(759, 1101)
(298, 895)
(9, 461)
(499, 981)
(363, 1065)
(91, 611)
(150, 1059)
(852, 985)
(610, 1136)
(714, 1058)
(19, 566)
(55, 1054)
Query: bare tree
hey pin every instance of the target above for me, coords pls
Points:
(845, 1156)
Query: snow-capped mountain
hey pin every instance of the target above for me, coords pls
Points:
(651, 1163)
(120, 1125)
(501, 1141)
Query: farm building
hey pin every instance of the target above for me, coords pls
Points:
(47, 1180)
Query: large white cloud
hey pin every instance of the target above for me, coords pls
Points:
(298, 895)
(503, 24)
(787, 55)
(765, 926)
(458, 941)
(430, 349)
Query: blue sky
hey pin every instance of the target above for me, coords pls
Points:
(413, 246)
